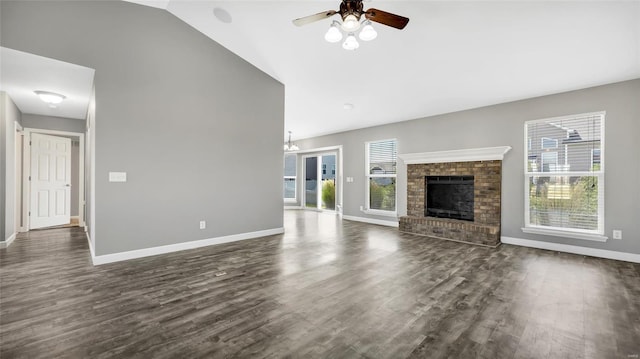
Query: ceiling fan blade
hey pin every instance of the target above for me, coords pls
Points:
(387, 18)
(313, 18)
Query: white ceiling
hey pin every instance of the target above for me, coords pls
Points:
(24, 73)
(451, 56)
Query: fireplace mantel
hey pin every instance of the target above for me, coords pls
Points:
(466, 155)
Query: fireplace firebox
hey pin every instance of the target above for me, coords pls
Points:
(449, 197)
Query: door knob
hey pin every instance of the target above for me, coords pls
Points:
(67, 185)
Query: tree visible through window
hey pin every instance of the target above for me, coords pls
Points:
(565, 174)
(381, 174)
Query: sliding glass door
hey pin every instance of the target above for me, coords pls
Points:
(320, 182)
(311, 182)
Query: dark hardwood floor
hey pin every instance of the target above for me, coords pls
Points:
(326, 289)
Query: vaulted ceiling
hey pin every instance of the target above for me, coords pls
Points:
(452, 55)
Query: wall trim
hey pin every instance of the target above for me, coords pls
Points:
(146, 252)
(465, 155)
(371, 221)
(7, 243)
(592, 252)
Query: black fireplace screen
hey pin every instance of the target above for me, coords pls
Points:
(449, 197)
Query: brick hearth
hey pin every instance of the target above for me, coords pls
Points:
(484, 230)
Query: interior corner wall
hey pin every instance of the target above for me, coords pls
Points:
(197, 129)
(9, 114)
(503, 125)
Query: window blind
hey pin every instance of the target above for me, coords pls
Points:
(382, 157)
(564, 171)
(290, 165)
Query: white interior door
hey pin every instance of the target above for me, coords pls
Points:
(50, 181)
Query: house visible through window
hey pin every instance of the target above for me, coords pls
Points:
(381, 157)
(564, 176)
(290, 161)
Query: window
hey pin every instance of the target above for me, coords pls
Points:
(548, 143)
(564, 176)
(381, 157)
(290, 161)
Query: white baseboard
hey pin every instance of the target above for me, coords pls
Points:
(593, 252)
(371, 220)
(146, 252)
(293, 207)
(7, 243)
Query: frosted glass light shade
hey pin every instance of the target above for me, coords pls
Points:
(350, 23)
(350, 43)
(50, 98)
(368, 33)
(333, 34)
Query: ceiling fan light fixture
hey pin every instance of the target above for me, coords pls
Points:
(333, 34)
(350, 43)
(50, 98)
(350, 23)
(368, 33)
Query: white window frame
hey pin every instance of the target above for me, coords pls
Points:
(295, 179)
(600, 155)
(596, 235)
(368, 176)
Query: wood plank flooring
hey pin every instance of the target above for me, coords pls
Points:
(324, 289)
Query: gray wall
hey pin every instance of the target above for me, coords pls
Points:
(503, 125)
(53, 123)
(9, 115)
(197, 129)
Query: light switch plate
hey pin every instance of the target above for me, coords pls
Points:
(117, 176)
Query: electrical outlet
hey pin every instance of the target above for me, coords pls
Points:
(361, 208)
(203, 224)
(617, 234)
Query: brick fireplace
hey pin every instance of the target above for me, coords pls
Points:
(485, 166)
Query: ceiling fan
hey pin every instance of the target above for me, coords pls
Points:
(351, 12)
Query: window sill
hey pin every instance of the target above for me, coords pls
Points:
(377, 212)
(566, 234)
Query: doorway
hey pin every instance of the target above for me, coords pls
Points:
(320, 174)
(53, 179)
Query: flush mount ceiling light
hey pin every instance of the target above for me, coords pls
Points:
(351, 12)
(290, 146)
(50, 98)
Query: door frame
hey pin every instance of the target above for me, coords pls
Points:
(332, 150)
(19, 183)
(26, 172)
